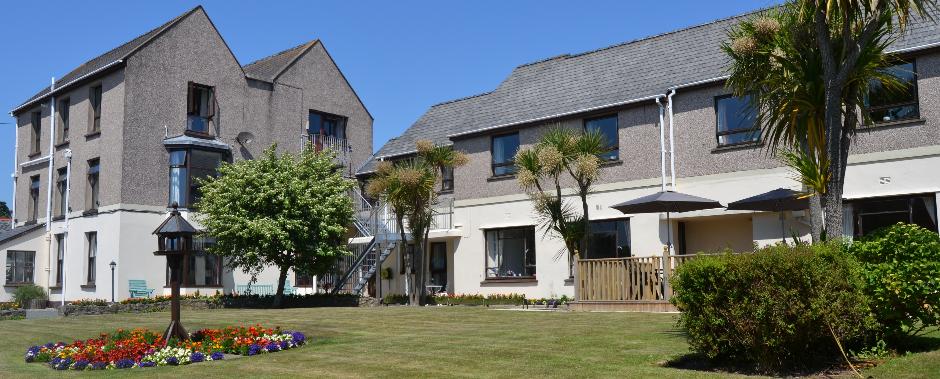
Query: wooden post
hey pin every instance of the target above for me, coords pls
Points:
(576, 277)
(175, 330)
(667, 270)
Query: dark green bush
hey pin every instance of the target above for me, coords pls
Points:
(24, 294)
(395, 299)
(774, 308)
(902, 277)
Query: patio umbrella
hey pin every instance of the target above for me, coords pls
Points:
(778, 200)
(667, 201)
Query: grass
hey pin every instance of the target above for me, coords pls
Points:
(416, 342)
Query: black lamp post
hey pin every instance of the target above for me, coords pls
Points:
(112, 264)
(175, 240)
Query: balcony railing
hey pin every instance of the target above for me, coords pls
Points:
(320, 142)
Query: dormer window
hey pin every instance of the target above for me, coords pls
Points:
(200, 109)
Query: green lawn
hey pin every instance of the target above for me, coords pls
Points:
(416, 342)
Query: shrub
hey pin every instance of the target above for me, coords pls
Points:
(902, 277)
(395, 299)
(773, 308)
(23, 295)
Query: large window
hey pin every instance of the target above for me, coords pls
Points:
(20, 267)
(94, 100)
(200, 269)
(504, 151)
(61, 186)
(437, 265)
(607, 128)
(325, 124)
(92, 238)
(200, 109)
(36, 124)
(872, 214)
(609, 239)
(510, 253)
(892, 104)
(187, 166)
(63, 124)
(447, 179)
(91, 197)
(736, 121)
(60, 257)
(302, 280)
(33, 198)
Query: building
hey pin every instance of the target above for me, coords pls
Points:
(638, 94)
(103, 152)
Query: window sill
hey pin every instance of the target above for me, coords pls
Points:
(33, 154)
(61, 145)
(91, 135)
(16, 284)
(885, 124)
(57, 287)
(522, 279)
(496, 178)
(30, 222)
(57, 218)
(90, 212)
(198, 134)
(569, 281)
(445, 192)
(740, 146)
(612, 162)
(87, 286)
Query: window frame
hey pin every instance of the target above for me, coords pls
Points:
(212, 111)
(302, 280)
(60, 258)
(198, 249)
(858, 212)
(486, 268)
(189, 184)
(95, 100)
(447, 181)
(61, 185)
(11, 267)
(719, 133)
(91, 255)
(615, 149)
(35, 123)
(915, 102)
(34, 192)
(62, 123)
(511, 162)
(93, 187)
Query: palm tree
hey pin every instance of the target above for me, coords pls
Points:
(409, 188)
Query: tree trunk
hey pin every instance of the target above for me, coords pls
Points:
(420, 287)
(586, 241)
(279, 295)
(815, 217)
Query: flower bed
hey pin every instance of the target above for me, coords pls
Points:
(144, 348)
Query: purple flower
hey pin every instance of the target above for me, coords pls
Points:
(124, 363)
(80, 364)
(99, 365)
(197, 357)
(285, 345)
(217, 356)
(55, 361)
(172, 361)
(148, 364)
(253, 349)
(49, 345)
(273, 346)
(63, 364)
(298, 337)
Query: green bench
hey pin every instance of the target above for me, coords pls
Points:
(138, 289)
(262, 289)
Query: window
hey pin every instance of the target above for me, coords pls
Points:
(609, 239)
(92, 238)
(62, 127)
(61, 186)
(607, 128)
(20, 267)
(872, 214)
(186, 168)
(33, 198)
(60, 257)
(736, 121)
(200, 269)
(504, 152)
(36, 123)
(302, 280)
(327, 125)
(892, 104)
(200, 109)
(437, 265)
(94, 99)
(447, 179)
(94, 167)
(510, 253)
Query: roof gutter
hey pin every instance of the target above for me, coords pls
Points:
(66, 85)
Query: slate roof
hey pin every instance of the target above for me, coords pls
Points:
(269, 68)
(610, 76)
(109, 58)
(8, 235)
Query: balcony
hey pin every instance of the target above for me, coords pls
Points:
(320, 142)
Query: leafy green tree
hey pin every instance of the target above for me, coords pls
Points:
(409, 187)
(562, 154)
(290, 211)
(4, 210)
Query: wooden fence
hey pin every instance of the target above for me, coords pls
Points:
(626, 279)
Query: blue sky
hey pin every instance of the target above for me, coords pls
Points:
(400, 56)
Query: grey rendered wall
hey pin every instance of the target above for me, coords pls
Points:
(156, 86)
(325, 90)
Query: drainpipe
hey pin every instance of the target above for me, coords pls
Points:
(662, 142)
(672, 141)
(67, 154)
(16, 169)
(51, 157)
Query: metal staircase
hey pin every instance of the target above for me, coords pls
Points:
(375, 240)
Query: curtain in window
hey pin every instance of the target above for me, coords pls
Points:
(510, 252)
(92, 254)
(179, 186)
